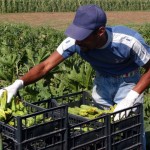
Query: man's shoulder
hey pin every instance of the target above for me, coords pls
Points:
(121, 29)
(118, 27)
(67, 44)
(69, 41)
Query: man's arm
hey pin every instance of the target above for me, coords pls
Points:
(144, 81)
(35, 74)
(129, 100)
(38, 71)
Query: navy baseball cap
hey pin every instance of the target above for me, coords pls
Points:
(87, 19)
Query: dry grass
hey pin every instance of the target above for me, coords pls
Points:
(61, 20)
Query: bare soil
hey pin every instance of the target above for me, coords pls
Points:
(61, 20)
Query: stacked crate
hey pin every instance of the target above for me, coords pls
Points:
(50, 133)
(102, 133)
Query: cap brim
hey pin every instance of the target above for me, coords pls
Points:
(77, 33)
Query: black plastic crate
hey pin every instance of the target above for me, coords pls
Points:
(89, 135)
(77, 99)
(53, 119)
(127, 133)
(77, 138)
(74, 99)
(50, 141)
(52, 103)
(71, 100)
(82, 133)
(123, 134)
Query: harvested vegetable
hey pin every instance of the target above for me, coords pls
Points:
(89, 112)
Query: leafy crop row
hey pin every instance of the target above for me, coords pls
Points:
(22, 47)
(10, 6)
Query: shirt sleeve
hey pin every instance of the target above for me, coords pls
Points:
(67, 48)
(140, 51)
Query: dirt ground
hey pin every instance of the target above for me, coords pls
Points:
(60, 21)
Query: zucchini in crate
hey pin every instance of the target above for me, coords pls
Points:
(21, 121)
(89, 112)
(5, 111)
(14, 108)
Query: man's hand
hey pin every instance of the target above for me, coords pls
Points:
(128, 101)
(12, 89)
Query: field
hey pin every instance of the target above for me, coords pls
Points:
(29, 42)
(61, 20)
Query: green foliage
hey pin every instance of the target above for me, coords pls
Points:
(147, 111)
(9, 6)
(144, 30)
(76, 77)
(22, 47)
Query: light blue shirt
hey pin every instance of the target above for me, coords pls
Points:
(124, 51)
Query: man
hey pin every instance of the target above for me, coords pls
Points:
(116, 53)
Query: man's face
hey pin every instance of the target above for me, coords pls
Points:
(88, 43)
(94, 40)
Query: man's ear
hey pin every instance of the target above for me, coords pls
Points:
(101, 31)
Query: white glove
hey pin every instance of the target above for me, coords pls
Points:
(128, 101)
(12, 89)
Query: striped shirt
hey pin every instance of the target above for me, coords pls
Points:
(124, 51)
